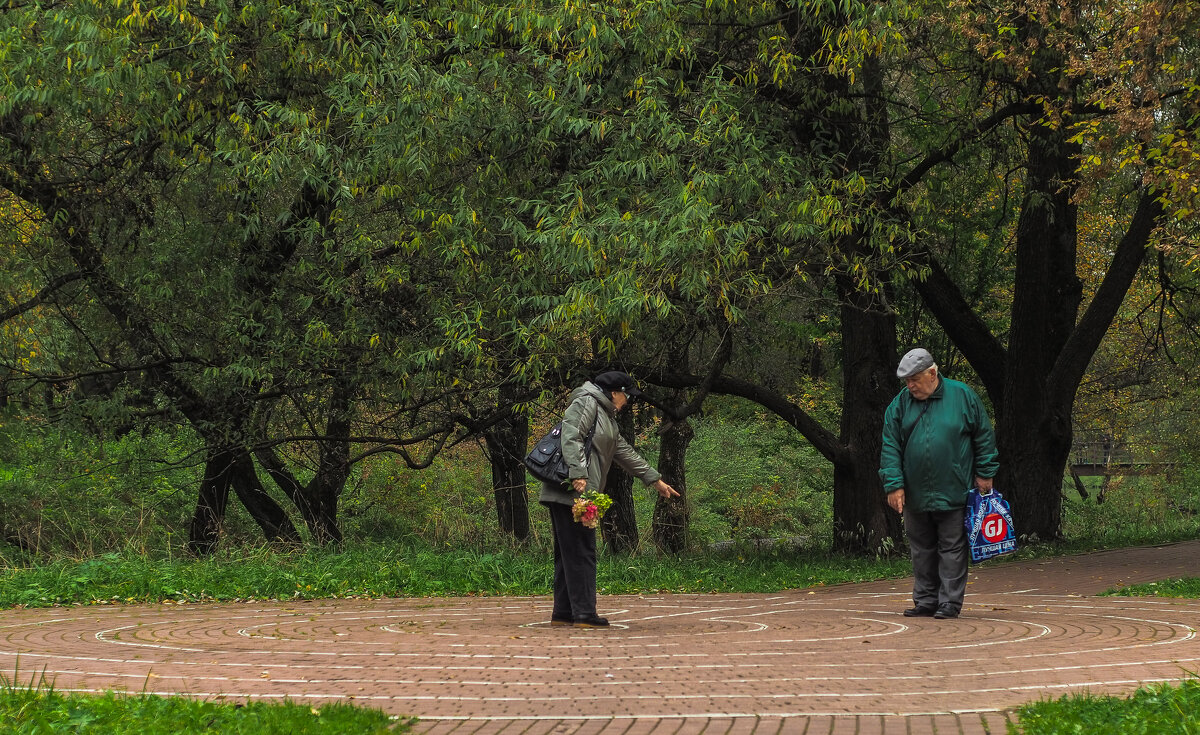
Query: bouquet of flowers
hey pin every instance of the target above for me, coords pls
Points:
(589, 507)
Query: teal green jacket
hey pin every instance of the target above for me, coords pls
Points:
(935, 448)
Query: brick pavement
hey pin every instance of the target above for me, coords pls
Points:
(832, 661)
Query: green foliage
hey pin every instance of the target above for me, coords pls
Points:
(1187, 587)
(754, 480)
(450, 504)
(1136, 510)
(36, 709)
(1162, 709)
(389, 571)
(298, 223)
(66, 493)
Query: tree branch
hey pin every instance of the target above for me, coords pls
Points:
(948, 152)
(1085, 339)
(54, 285)
(823, 440)
(964, 327)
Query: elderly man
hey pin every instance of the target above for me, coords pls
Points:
(937, 440)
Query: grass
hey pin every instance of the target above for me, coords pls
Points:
(1155, 710)
(1188, 587)
(37, 708)
(1137, 511)
(379, 571)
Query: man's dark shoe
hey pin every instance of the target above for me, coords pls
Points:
(919, 612)
(944, 612)
(592, 621)
(555, 620)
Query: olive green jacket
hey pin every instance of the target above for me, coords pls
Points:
(589, 408)
(935, 448)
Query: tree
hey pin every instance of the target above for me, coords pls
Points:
(1091, 93)
(253, 247)
(707, 169)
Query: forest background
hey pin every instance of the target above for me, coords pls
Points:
(340, 262)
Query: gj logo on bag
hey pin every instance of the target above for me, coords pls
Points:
(989, 525)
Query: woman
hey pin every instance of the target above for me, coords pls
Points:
(592, 413)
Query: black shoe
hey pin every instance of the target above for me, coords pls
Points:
(555, 620)
(944, 612)
(591, 621)
(919, 612)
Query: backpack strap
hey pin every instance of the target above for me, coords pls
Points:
(587, 443)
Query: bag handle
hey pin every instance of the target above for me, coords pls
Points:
(904, 439)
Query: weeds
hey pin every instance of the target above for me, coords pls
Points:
(379, 571)
(1155, 710)
(1188, 588)
(39, 709)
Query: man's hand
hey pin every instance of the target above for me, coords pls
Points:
(665, 491)
(896, 499)
(579, 484)
(984, 484)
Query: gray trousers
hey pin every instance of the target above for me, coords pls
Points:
(938, 543)
(574, 565)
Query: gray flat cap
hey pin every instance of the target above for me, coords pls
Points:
(913, 362)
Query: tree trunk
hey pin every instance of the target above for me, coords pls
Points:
(1034, 390)
(269, 516)
(862, 520)
(318, 501)
(1035, 444)
(670, 523)
(325, 489)
(1034, 437)
(323, 493)
(506, 449)
(210, 505)
(618, 527)
(333, 469)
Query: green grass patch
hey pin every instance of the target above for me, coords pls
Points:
(1188, 587)
(1137, 510)
(38, 709)
(379, 571)
(1155, 710)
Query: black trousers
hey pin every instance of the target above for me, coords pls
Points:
(574, 565)
(938, 543)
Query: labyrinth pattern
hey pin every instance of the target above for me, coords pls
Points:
(836, 652)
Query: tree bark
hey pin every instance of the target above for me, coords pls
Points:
(966, 329)
(272, 519)
(1047, 356)
(670, 523)
(213, 499)
(618, 527)
(1034, 438)
(317, 501)
(506, 442)
(862, 520)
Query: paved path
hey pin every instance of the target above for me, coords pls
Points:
(835, 660)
